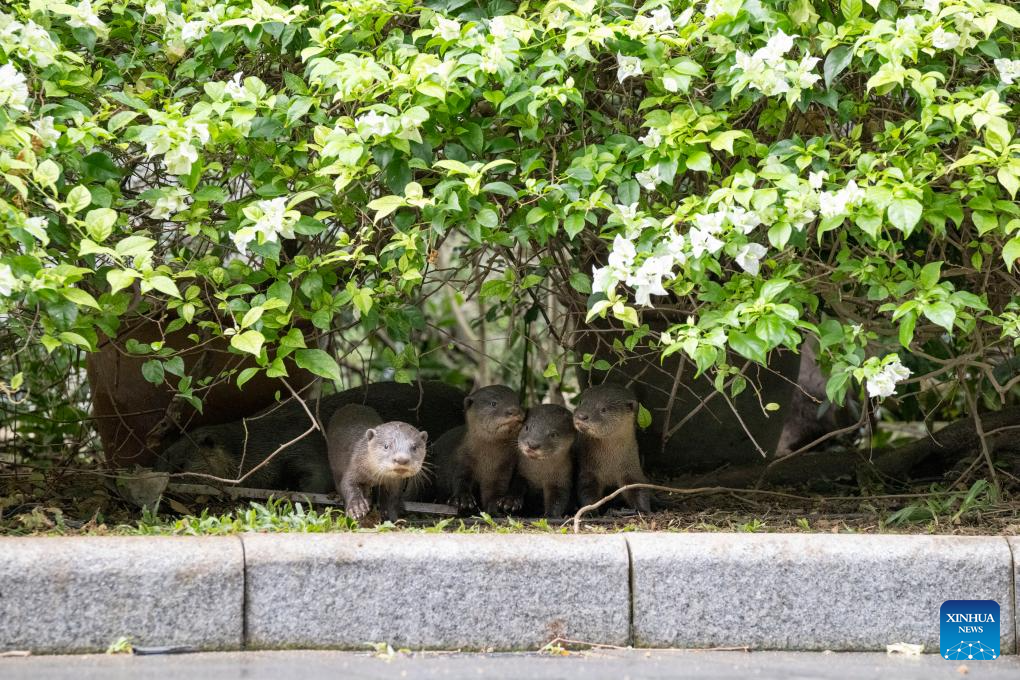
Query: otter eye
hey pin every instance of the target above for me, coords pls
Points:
(604, 409)
(492, 404)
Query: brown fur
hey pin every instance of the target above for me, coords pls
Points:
(482, 454)
(545, 460)
(607, 448)
(364, 453)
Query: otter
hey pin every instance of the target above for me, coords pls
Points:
(545, 462)
(234, 449)
(606, 447)
(221, 450)
(364, 452)
(482, 453)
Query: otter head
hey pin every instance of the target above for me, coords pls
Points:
(548, 431)
(495, 411)
(396, 449)
(603, 410)
(205, 449)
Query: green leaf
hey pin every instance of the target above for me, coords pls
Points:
(851, 9)
(78, 199)
(318, 362)
(47, 173)
(644, 417)
(930, 274)
(1011, 252)
(747, 346)
(700, 161)
(164, 284)
(941, 313)
(904, 214)
(246, 375)
(724, 140)
(152, 371)
(907, 325)
(99, 223)
(573, 224)
(580, 282)
(386, 205)
(249, 342)
(79, 297)
(551, 372)
(120, 279)
(119, 120)
(836, 62)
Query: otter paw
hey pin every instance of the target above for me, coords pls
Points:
(357, 509)
(510, 505)
(464, 502)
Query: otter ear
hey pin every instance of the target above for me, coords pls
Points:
(370, 434)
(207, 441)
(424, 436)
(467, 402)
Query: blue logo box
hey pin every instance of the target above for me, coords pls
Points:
(969, 630)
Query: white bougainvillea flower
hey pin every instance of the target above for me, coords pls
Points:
(839, 202)
(446, 29)
(83, 15)
(676, 246)
(685, 17)
(1009, 70)
(703, 241)
(375, 124)
(944, 40)
(623, 254)
(661, 20)
(169, 204)
(776, 47)
(179, 159)
(45, 131)
(649, 178)
(710, 223)
(749, 257)
(155, 8)
(272, 221)
(627, 67)
(8, 282)
(652, 139)
(816, 179)
(647, 279)
(742, 219)
(932, 5)
(13, 88)
(883, 384)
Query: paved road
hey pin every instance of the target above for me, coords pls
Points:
(617, 665)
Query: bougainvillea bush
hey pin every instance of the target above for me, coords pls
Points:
(713, 180)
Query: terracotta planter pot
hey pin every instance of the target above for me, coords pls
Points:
(131, 413)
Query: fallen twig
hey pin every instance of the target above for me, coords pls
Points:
(236, 492)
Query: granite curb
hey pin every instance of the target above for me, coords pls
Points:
(497, 591)
(805, 592)
(81, 594)
(435, 591)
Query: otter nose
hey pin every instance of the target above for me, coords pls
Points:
(401, 459)
(514, 412)
(531, 444)
(581, 416)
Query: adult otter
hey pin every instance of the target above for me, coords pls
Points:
(607, 449)
(481, 454)
(365, 452)
(545, 463)
(232, 450)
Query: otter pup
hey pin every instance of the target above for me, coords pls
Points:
(482, 453)
(365, 452)
(607, 449)
(545, 462)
